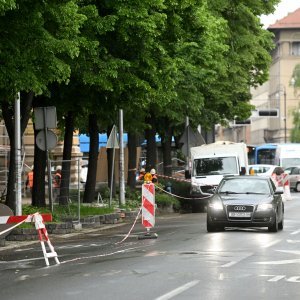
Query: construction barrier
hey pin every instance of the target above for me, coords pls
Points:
(38, 219)
(283, 181)
(148, 208)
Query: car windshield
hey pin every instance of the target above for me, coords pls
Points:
(215, 166)
(260, 169)
(244, 186)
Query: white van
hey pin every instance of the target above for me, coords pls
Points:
(210, 163)
(287, 155)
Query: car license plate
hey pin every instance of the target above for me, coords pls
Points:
(234, 214)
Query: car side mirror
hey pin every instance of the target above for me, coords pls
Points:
(279, 190)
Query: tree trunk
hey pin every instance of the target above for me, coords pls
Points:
(8, 116)
(90, 187)
(132, 144)
(67, 155)
(166, 148)
(38, 190)
(151, 159)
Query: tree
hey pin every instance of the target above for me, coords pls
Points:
(295, 132)
(34, 38)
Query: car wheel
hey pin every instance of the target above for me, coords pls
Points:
(280, 224)
(209, 226)
(297, 189)
(274, 226)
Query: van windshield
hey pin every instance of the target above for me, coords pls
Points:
(290, 162)
(215, 166)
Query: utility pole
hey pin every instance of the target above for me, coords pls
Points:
(18, 181)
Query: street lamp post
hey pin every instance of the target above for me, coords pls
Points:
(284, 99)
(282, 87)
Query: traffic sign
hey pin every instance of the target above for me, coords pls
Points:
(51, 140)
(39, 120)
(112, 141)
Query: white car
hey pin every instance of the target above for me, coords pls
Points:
(263, 170)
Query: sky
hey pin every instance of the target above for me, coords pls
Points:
(282, 10)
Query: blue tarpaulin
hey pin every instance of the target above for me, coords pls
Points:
(84, 141)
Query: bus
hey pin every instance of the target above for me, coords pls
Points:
(265, 154)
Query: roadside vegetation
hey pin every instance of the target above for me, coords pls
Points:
(158, 60)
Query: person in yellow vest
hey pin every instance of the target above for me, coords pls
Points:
(29, 180)
(252, 172)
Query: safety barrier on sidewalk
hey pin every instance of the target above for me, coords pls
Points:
(148, 209)
(38, 219)
(180, 197)
(174, 178)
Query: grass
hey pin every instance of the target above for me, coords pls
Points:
(61, 212)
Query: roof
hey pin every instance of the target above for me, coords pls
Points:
(292, 20)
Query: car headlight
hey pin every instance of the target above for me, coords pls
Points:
(196, 188)
(216, 205)
(264, 206)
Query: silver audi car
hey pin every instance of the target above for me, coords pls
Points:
(246, 201)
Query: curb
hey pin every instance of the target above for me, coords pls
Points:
(70, 227)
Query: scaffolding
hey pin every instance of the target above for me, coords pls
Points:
(4, 160)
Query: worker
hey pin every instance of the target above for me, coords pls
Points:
(142, 173)
(154, 176)
(29, 180)
(251, 171)
(56, 182)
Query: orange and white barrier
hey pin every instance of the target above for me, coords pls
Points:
(38, 219)
(283, 181)
(148, 205)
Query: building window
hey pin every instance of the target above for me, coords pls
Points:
(296, 48)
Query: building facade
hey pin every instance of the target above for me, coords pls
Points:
(280, 92)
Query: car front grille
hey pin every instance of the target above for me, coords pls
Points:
(239, 212)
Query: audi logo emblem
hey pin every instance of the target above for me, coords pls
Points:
(240, 208)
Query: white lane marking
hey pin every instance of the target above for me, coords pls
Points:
(178, 291)
(24, 249)
(103, 255)
(290, 251)
(295, 232)
(293, 241)
(279, 262)
(230, 264)
(274, 278)
(271, 244)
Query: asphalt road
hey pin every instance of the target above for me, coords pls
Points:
(184, 262)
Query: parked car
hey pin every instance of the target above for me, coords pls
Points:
(263, 170)
(246, 201)
(294, 177)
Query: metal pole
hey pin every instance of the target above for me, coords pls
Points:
(285, 116)
(78, 182)
(48, 161)
(122, 176)
(18, 181)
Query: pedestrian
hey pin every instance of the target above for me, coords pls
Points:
(154, 176)
(29, 180)
(56, 182)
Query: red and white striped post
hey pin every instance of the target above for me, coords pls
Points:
(148, 208)
(38, 219)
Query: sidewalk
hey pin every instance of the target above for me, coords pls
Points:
(18, 244)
